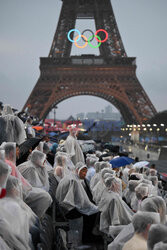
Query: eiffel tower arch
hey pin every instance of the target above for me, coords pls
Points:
(111, 75)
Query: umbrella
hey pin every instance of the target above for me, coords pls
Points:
(37, 128)
(121, 161)
(52, 133)
(24, 148)
(141, 164)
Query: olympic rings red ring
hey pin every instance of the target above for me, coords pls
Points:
(104, 32)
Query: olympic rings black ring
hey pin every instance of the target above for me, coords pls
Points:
(90, 32)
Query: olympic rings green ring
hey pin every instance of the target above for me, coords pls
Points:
(98, 45)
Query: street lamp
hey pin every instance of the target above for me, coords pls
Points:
(55, 107)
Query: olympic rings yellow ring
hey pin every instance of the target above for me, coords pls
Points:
(81, 47)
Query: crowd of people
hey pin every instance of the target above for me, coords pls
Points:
(125, 204)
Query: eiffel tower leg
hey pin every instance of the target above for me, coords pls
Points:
(61, 46)
(105, 19)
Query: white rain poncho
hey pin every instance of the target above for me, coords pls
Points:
(141, 221)
(10, 159)
(6, 233)
(98, 153)
(141, 191)
(150, 186)
(127, 233)
(129, 192)
(74, 150)
(40, 146)
(91, 169)
(71, 194)
(61, 164)
(11, 211)
(113, 184)
(99, 187)
(13, 191)
(156, 234)
(46, 150)
(153, 172)
(114, 211)
(3, 245)
(2, 154)
(155, 204)
(96, 177)
(35, 171)
(154, 180)
(28, 127)
(65, 161)
(125, 173)
(14, 127)
(160, 246)
(5, 171)
(39, 200)
(79, 166)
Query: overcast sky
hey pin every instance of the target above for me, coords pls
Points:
(27, 28)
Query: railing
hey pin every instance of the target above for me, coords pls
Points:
(88, 60)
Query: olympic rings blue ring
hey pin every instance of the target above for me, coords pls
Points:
(74, 31)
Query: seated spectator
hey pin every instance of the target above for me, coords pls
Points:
(90, 162)
(156, 234)
(113, 183)
(142, 192)
(155, 204)
(12, 127)
(99, 187)
(16, 217)
(35, 171)
(129, 193)
(46, 151)
(114, 211)
(95, 179)
(36, 198)
(10, 159)
(29, 130)
(71, 194)
(13, 192)
(141, 222)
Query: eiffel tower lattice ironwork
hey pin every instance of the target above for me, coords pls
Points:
(111, 75)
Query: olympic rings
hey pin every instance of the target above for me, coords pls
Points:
(104, 32)
(98, 45)
(81, 47)
(90, 32)
(70, 33)
(87, 40)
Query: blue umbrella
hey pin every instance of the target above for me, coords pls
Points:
(121, 161)
(52, 133)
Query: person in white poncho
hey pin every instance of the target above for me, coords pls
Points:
(114, 211)
(73, 148)
(35, 171)
(71, 194)
(38, 199)
(12, 127)
(12, 216)
(141, 222)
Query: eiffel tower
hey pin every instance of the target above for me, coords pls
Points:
(111, 75)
